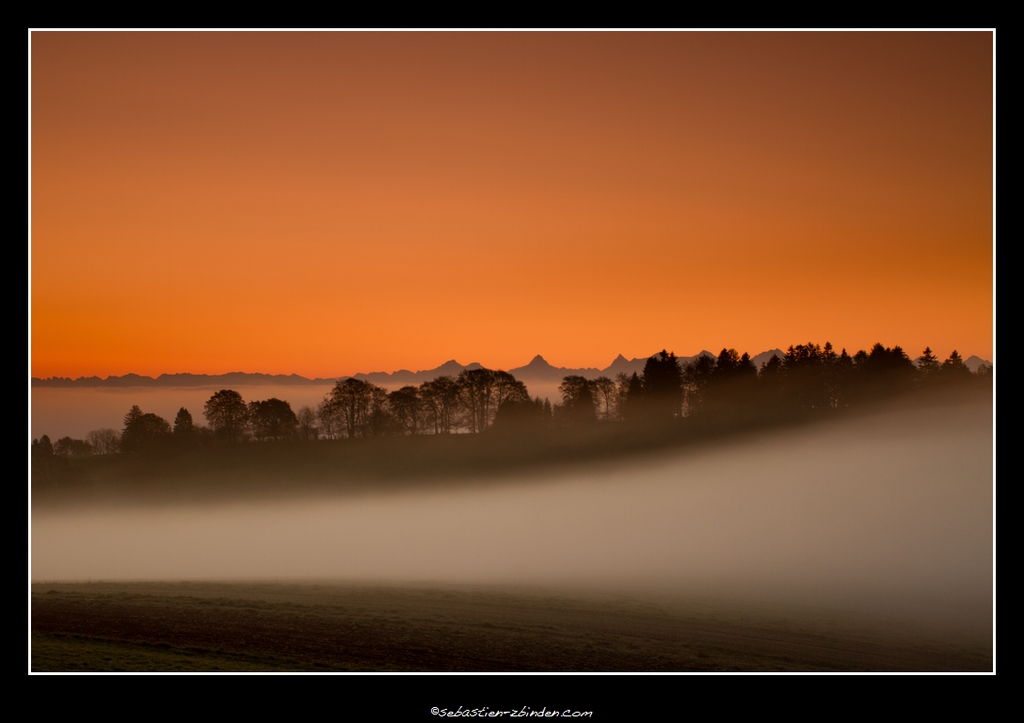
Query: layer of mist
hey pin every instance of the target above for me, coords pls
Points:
(890, 513)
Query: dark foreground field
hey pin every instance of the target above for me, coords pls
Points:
(201, 626)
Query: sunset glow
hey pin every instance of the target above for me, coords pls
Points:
(332, 203)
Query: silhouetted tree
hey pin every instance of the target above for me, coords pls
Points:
(227, 414)
(839, 380)
(726, 365)
(132, 417)
(631, 397)
(621, 394)
(832, 377)
(441, 396)
(695, 377)
(522, 415)
(477, 388)
(770, 387)
(68, 447)
(885, 372)
(578, 405)
(379, 420)
(663, 386)
(407, 409)
(350, 403)
(104, 441)
(605, 392)
(183, 425)
(143, 431)
(42, 459)
(731, 384)
(308, 428)
(928, 363)
(804, 378)
(954, 369)
(508, 388)
(272, 419)
(330, 418)
(42, 447)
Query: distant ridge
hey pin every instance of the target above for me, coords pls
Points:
(765, 356)
(621, 365)
(976, 362)
(538, 370)
(181, 380)
(404, 376)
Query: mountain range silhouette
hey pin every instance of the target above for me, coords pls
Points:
(537, 370)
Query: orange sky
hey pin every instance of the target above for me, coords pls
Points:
(328, 203)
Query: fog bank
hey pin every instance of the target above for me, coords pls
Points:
(890, 511)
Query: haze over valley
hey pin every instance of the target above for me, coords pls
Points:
(886, 513)
(357, 350)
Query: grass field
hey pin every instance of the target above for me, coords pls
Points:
(210, 626)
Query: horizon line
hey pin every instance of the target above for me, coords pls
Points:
(401, 369)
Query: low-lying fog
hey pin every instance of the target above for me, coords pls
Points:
(893, 511)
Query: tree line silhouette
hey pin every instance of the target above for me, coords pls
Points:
(808, 380)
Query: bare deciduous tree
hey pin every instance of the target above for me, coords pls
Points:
(104, 441)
